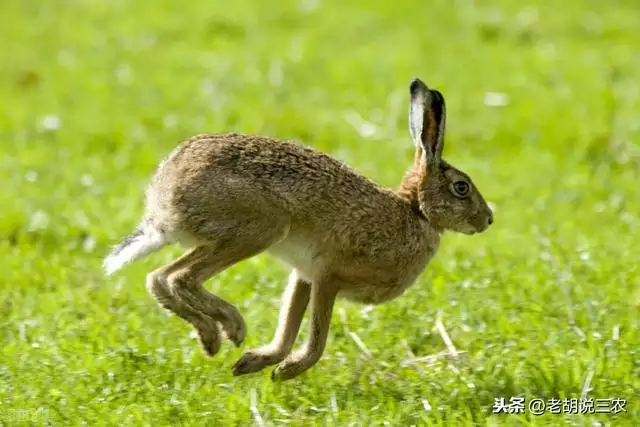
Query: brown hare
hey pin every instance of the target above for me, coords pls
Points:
(228, 197)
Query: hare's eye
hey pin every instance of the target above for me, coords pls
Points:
(461, 188)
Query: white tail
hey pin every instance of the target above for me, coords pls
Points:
(138, 245)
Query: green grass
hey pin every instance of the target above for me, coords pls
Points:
(93, 94)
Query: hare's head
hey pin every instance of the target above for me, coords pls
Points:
(446, 196)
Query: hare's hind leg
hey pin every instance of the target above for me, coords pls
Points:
(185, 285)
(158, 287)
(185, 281)
(294, 303)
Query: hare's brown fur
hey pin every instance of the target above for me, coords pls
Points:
(300, 194)
(231, 196)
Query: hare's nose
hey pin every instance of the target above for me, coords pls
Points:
(490, 219)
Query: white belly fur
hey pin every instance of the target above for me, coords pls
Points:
(298, 253)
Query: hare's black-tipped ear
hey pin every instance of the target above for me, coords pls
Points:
(427, 117)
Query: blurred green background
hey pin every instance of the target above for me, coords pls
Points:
(543, 104)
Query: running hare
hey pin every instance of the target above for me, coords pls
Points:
(228, 197)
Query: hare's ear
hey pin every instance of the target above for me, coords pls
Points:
(427, 118)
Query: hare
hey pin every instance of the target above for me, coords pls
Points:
(228, 197)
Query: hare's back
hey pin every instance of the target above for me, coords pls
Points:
(288, 170)
(222, 176)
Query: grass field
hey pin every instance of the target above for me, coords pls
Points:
(543, 106)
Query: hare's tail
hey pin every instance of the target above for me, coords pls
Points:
(141, 243)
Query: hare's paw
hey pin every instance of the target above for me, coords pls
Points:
(256, 360)
(234, 327)
(292, 366)
(209, 337)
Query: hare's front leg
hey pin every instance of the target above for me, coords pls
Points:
(323, 296)
(294, 303)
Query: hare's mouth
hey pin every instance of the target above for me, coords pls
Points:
(471, 229)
